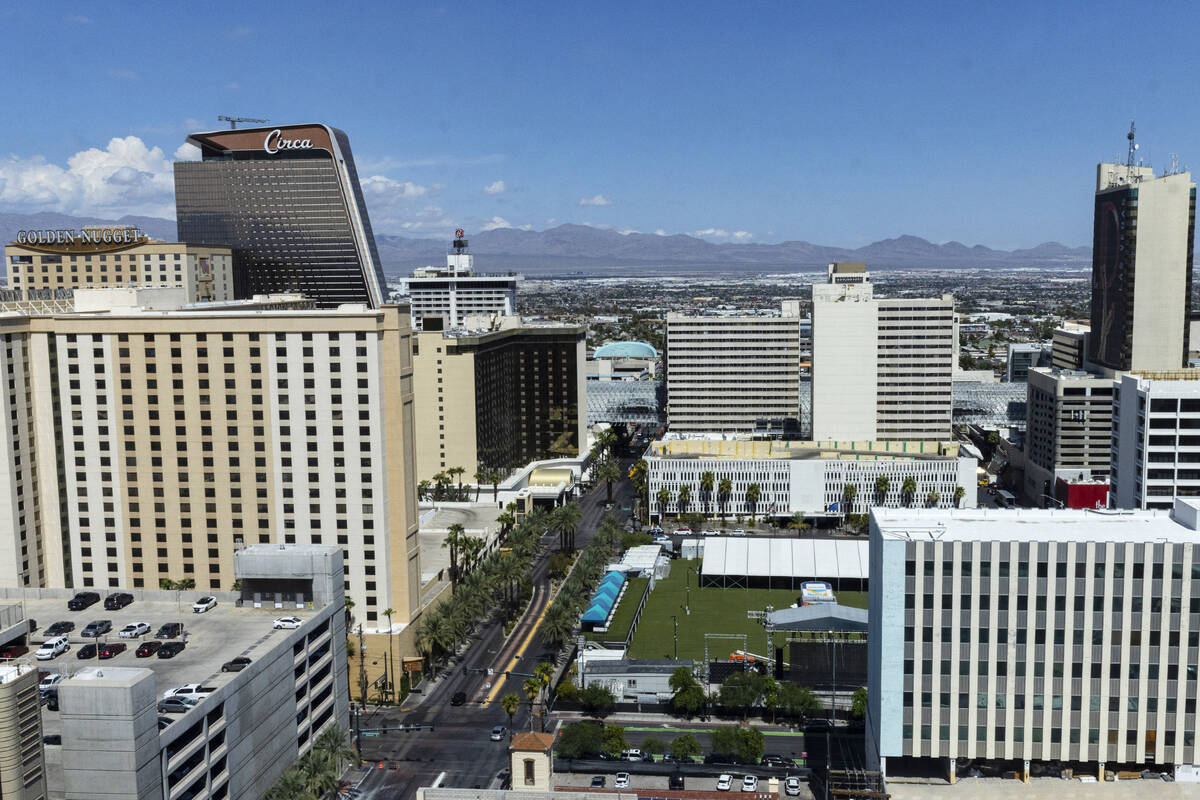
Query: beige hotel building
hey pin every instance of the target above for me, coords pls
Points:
(144, 445)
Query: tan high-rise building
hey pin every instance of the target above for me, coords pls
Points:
(48, 265)
(153, 444)
(22, 757)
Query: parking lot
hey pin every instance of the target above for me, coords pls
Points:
(644, 785)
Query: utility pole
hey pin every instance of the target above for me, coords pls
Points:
(675, 634)
(362, 668)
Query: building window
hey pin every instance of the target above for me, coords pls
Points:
(529, 772)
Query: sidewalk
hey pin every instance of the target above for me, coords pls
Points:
(665, 722)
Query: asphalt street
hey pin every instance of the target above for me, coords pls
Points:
(457, 747)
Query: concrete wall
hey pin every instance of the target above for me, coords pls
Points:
(1160, 298)
(885, 649)
(542, 774)
(22, 758)
(845, 340)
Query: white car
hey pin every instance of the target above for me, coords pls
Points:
(194, 691)
(134, 630)
(724, 782)
(737, 532)
(622, 781)
(52, 648)
(53, 679)
(204, 604)
(791, 786)
(683, 531)
(289, 622)
(750, 783)
(708, 532)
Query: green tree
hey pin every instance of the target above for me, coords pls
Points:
(685, 497)
(849, 493)
(597, 700)
(932, 498)
(798, 522)
(685, 747)
(707, 481)
(455, 537)
(724, 740)
(635, 539)
(797, 700)
(557, 626)
(882, 484)
(580, 740)
(609, 471)
(908, 489)
(510, 703)
(663, 496)
(423, 490)
(652, 744)
(724, 490)
(858, 703)
(750, 743)
(532, 688)
(457, 472)
(741, 690)
(688, 697)
(614, 740)
(959, 494)
(565, 519)
(770, 695)
(753, 492)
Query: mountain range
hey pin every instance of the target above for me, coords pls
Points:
(568, 250)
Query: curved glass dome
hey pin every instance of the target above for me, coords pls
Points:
(625, 350)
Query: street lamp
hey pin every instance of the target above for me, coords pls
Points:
(675, 634)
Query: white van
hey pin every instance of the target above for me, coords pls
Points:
(52, 648)
(631, 755)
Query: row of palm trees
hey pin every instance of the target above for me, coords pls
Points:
(711, 488)
(318, 774)
(908, 491)
(576, 590)
(443, 486)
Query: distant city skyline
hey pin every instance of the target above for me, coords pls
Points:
(836, 125)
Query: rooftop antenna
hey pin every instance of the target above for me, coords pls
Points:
(1132, 152)
(233, 121)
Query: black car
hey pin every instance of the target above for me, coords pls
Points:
(52, 739)
(458, 699)
(170, 650)
(50, 698)
(83, 600)
(675, 781)
(817, 726)
(60, 629)
(169, 630)
(117, 600)
(87, 651)
(775, 761)
(598, 782)
(97, 627)
(236, 665)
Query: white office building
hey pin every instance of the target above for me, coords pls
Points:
(881, 368)
(455, 292)
(1155, 439)
(1033, 635)
(726, 373)
(805, 477)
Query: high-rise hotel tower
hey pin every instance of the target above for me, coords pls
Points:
(287, 200)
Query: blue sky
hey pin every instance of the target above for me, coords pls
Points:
(837, 123)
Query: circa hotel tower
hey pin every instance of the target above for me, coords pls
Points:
(287, 200)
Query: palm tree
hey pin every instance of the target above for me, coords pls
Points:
(707, 481)
(457, 472)
(753, 492)
(849, 493)
(332, 745)
(470, 548)
(565, 519)
(454, 539)
(959, 494)
(423, 490)
(387, 612)
(797, 522)
(933, 498)
(441, 482)
(609, 472)
(510, 702)
(319, 777)
(724, 490)
(481, 475)
(908, 489)
(663, 496)
(685, 496)
(882, 484)
(509, 572)
(289, 786)
(557, 625)
(494, 476)
(532, 688)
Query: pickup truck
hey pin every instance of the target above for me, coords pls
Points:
(194, 690)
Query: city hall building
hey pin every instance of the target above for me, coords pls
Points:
(288, 201)
(45, 266)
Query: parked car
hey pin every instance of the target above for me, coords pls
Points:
(598, 781)
(683, 531)
(204, 604)
(169, 630)
(458, 699)
(621, 781)
(791, 786)
(147, 649)
(117, 600)
(82, 600)
(675, 781)
(724, 782)
(50, 698)
(708, 532)
(50, 680)
(163, 722)
(771, 760)
(52, 648)
(195, 690)
(14, 651)
(498, 733)
(111, 649)
(288, 623)
(60, 628)
(96, 627)
(86, 652)
(632, 754)
(648, 758)
(816, 726)
(175, 705)
(235, 665)
(654, 529)
(170, 649)
(750, 783)
(134, 630)
(737, 532)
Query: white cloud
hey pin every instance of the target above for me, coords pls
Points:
(378, 186)
(187, 152)
(721, 233)
(660, 232)
(628, 231)
(496, 222)
(595, 200)
(742, 236)
(496, 187)
(126, 177)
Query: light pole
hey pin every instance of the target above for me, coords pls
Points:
(687, 585)
(675, 634)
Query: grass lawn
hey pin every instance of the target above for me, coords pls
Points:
(713, 611)
(618, 629)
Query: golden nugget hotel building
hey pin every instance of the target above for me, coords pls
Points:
(148, 444)
(45, 266)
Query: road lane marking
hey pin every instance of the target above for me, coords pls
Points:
(517, 656)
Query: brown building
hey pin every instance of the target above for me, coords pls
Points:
(150, 445)
(500, 397)
(46, 265)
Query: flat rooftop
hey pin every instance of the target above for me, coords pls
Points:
(1030, 525)
(729, 449)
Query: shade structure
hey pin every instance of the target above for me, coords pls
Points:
(784, 563)
(605, 597)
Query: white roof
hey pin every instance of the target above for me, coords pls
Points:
(641, 557)
(785, 558)
(1029, 525)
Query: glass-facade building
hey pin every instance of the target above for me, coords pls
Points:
(288, 201)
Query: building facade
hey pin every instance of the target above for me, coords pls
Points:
(724, 373)
(1033, 635)
(882, 369)
(805, 477)
(147, 446)
(1141, 269)
(1069, 347)
(288, 202)
(455, 292)
(1068, 428)
(496, 399)
(22, 758)
(1021, 356)
(49, 265)
(1155, 439)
